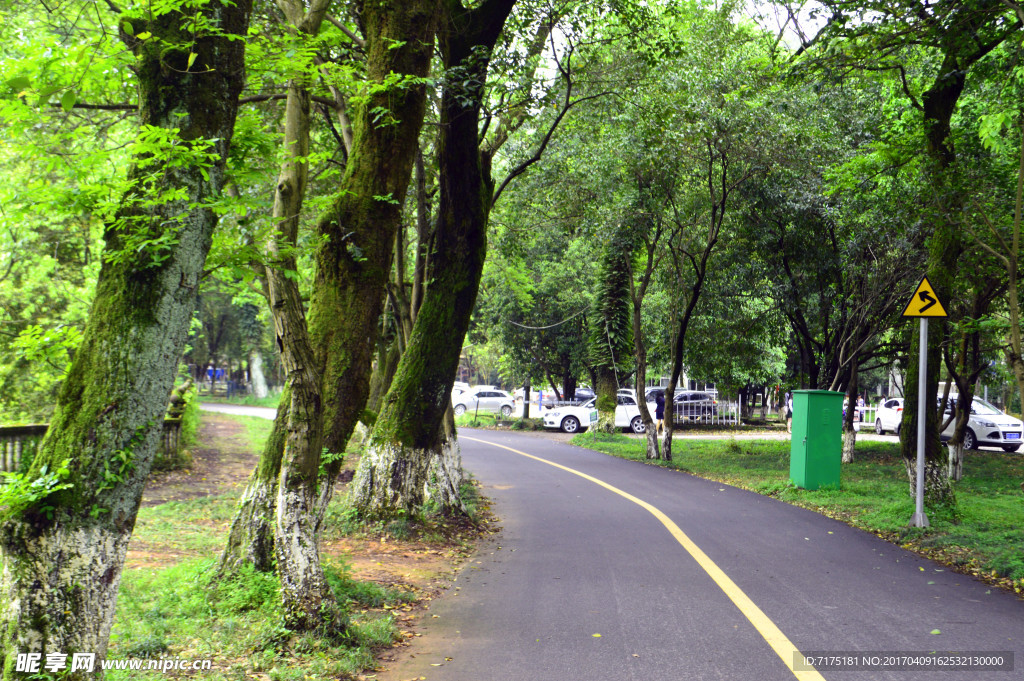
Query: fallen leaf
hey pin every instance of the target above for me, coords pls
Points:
(935, 631)
(597, 635)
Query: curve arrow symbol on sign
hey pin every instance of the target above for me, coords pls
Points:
(926, 297)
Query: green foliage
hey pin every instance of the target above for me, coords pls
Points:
(187, 607)
(19, 492)
(190, 419)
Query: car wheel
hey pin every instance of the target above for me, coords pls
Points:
(506, 411)
(637, 424)
(460, 409)
(1010, 448)
(878, 426)
(970, 440)
(570, 424)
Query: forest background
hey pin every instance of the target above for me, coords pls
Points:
(353, 195)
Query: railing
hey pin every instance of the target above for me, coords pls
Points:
(724, 413)
(19, 443)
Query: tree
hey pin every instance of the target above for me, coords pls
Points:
(950, 38)
(409, 459)
(356, 232)
(189, 68)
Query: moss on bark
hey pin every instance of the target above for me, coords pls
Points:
(409, 432)
(61, 568)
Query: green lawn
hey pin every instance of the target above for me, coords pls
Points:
(171, 602)
(986, 539)
(270, 400)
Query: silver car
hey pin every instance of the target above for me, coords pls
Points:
(483, 399)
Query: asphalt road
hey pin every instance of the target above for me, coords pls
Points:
(576, 559)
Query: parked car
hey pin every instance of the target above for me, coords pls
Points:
(627, 415)
(987, 425)
(483, 398)
(571, 419)
(581, 395)
(689, 403)
(889, 416)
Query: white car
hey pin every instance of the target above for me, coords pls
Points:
(483, 398)
(889, 415)
(627, 415)
(987, 426)
(571, 419)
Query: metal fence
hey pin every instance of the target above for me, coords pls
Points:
(724, 413)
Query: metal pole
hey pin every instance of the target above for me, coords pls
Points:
(920, 519)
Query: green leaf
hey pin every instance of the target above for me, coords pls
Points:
(935, 632)
(68, 99)
(19, 83)
(145, 35)
(191, 59)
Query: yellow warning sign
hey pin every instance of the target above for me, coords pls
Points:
(924, 302)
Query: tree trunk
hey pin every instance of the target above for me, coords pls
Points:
(410, 460)
(256, 377)
(955, 466)
(607, 399)
(359, 228)
(306, 598)
(383, 375)
(251, 538)
(61, 570)
(849, 430)
(670, 419)
(939, 104)
(526, 399)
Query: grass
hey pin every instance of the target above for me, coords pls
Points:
(186, 611)
(257, 429)
(986, 539)
(491, 420)
(270, 400)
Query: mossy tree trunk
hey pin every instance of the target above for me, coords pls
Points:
(412, 458)
(251, 538)
(61, 569)
(307, 600)
(358, 230)
(938, 105)
(611, 339)
(353, 265)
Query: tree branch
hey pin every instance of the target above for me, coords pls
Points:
(344, 29)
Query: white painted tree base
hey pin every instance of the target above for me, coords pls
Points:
(392, 479)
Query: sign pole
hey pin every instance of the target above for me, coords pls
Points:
(923, 304)
(920, 519)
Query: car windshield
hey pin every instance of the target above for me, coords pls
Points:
(978, 407)
(590, 403)
(982, 407)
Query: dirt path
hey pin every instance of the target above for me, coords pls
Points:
(220, 465)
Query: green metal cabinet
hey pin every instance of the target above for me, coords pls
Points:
(816, 449)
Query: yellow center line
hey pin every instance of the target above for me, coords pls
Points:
(782, 646)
